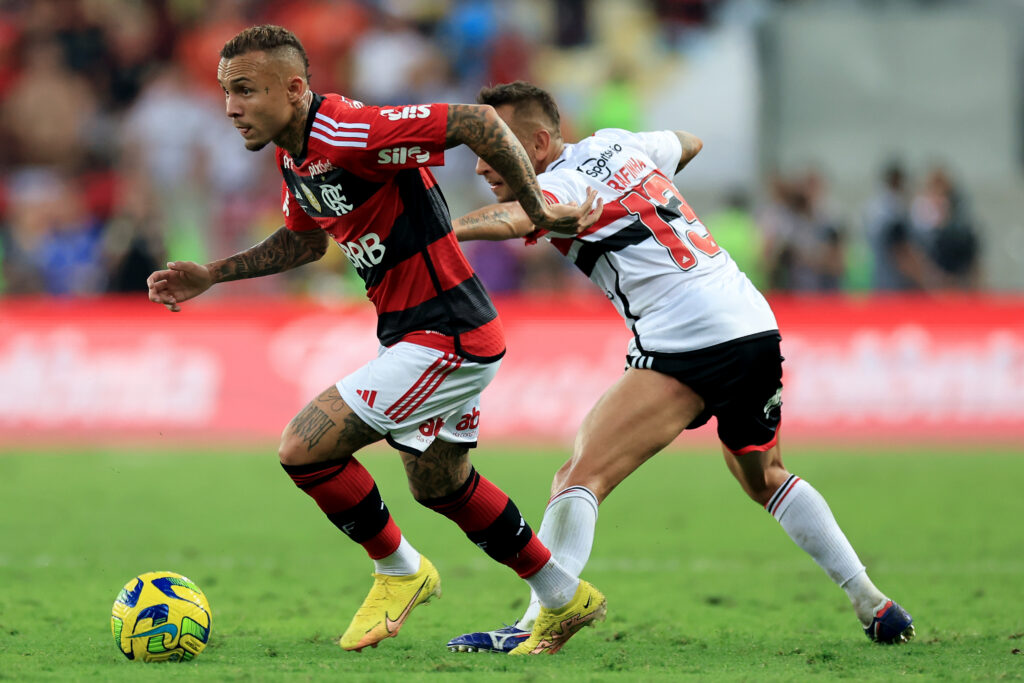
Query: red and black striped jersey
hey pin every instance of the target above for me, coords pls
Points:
(362, 177)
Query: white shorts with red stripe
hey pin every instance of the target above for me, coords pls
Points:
(414, 394)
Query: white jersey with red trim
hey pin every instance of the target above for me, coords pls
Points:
(674, 286)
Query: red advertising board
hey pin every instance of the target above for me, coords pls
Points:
(229, 370)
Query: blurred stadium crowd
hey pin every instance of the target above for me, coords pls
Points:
(115, 154)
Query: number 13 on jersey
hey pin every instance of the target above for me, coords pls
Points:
(657, 191)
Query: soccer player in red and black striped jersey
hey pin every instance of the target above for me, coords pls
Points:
(358, 175)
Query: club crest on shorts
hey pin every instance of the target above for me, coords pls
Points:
(774, 402)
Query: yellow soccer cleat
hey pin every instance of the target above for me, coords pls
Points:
(388, 604)
(555, 626)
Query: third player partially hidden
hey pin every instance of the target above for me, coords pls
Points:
(705, 343)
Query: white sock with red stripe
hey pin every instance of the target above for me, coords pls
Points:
(568, 531)
(806, 517)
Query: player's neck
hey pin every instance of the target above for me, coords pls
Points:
(293, 138)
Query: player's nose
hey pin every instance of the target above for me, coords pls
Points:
(482, 166)
(232, 107)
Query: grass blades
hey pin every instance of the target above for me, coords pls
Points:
(702, 584)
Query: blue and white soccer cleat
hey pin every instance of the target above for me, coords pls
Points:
(502, 641)
(891, 625)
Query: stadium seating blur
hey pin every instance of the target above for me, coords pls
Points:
(115, 154)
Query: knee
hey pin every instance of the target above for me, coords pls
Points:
(291, 451)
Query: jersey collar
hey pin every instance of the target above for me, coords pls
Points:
(562, 158)
(314, 106)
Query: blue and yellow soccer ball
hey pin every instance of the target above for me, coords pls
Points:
(161, 617)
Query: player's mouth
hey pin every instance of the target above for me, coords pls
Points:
(244, 130)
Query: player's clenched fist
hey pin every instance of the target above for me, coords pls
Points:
(181, 281)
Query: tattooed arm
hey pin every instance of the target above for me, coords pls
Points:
(283, 250)
(480, 128)
(508, 220)
(503, 221)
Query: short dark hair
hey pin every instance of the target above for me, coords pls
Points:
(521, 95)
(265, 38)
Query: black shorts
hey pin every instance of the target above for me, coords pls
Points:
(740, 382)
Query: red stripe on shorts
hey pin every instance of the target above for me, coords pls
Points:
(429, 389)
(422, 389)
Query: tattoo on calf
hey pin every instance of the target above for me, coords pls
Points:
(311, 424)
(439, 471)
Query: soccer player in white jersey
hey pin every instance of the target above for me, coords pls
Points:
(705, 343)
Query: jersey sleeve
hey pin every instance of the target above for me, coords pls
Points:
(563, 186)
(294, 217)
(378, 141)
(664, 149)
(558, 187)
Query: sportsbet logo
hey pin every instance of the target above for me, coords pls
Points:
(415, 111)
(399, 155)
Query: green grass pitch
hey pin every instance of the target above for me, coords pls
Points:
(702, 584)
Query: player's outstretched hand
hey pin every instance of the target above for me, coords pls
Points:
(571, 218)
(181, 281)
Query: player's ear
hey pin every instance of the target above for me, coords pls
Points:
(542, 142)
(296, 88)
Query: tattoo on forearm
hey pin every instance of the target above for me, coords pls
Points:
(494, 217)
(495, 143)
(310, 425)
(283, 250)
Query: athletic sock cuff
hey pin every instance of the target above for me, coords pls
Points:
(309, 475)
(457, 498)
(581, 492)
(782, 497)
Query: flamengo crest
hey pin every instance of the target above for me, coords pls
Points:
(335, 199)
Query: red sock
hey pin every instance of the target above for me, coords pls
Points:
(492, 521)
(347, 494)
